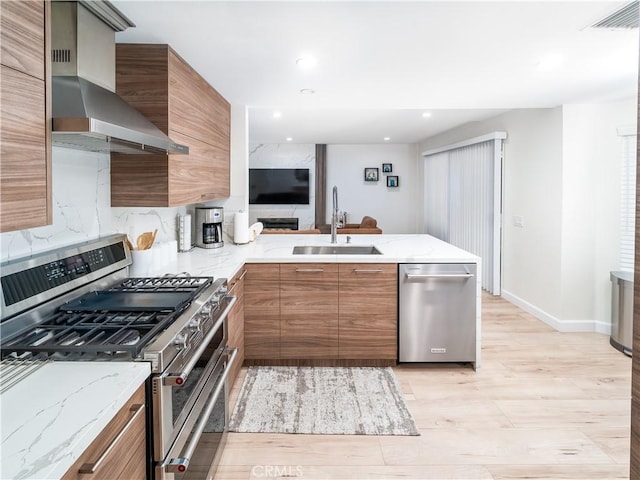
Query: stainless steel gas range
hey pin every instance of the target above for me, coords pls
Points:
(78, 304)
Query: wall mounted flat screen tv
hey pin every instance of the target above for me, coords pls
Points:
(278, 186)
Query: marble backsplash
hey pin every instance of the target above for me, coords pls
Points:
(285, 156)
(82, 209)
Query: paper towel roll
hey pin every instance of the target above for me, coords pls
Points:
(241, 227)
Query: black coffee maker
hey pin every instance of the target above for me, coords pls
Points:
(209, 227)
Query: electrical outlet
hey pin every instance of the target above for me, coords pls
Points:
(518, 221)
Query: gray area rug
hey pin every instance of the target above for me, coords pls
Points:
(322, 400)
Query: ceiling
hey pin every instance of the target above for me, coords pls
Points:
(382, 64)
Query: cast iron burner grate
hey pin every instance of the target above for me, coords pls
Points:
(93, 325)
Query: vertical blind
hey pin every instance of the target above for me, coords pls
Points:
(462, 188)
(627, 201)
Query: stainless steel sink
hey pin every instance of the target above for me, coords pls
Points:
(336, 250)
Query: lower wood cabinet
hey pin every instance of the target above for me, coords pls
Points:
(321, 311)
(368, 311)
(119, 452)
(262, 311)
(309, 310)
(235, 322)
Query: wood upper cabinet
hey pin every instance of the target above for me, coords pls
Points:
(368, 311)
(262, 311)
(119, 452)
(23, 36)
(235, 322)
(25, 116)
(200, 112)
(162, 86)
(309, 310)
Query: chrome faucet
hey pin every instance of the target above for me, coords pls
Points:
(334, 217)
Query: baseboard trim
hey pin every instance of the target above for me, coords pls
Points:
(559, 325)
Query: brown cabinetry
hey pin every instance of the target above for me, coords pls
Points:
(309, 310)
(236, 321)
(25, 116)
(321, 311)
(164, 88)
(368, 311)
(262, 311)
(119, 452)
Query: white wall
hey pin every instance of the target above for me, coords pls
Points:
(561, 174)
(592, 151)
(393, 208)
(532, 188)
(287, 155)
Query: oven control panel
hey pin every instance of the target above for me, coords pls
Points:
(33, 281)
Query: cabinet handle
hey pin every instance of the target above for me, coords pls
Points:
(440, 275)
(181, 464)
(367, 270)
(309, 270)
(91, 468)
(237, 281)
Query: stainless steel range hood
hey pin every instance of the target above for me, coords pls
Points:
(87, 114)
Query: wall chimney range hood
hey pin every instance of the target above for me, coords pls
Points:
(87, 114)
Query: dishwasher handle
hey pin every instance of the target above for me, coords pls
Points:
(411, 276)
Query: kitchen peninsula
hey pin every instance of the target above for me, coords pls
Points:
(301, 308)
(227, 261)
(115, 382)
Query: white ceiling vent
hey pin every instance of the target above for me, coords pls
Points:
(625, 17)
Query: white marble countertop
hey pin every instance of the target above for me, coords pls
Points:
(53, 415)
(227, 260)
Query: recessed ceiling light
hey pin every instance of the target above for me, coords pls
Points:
(306, 61)
(307, 91)
(426, 114)
(551, 61)
(386, 139)
(289, 139)
(277, 114)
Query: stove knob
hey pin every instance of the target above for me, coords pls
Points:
(196, 323)
(181, 341)
(207, 308)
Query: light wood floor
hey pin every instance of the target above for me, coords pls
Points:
(544, 405)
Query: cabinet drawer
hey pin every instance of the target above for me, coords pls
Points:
(260, 275)
(119, 452)
(309, 287)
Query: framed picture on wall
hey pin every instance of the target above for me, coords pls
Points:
(387, 168)
(371, 174)
(392, 181)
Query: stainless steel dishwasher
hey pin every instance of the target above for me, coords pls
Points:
(437, 312)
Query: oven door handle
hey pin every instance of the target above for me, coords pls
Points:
(178, 379)
(180, 464)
